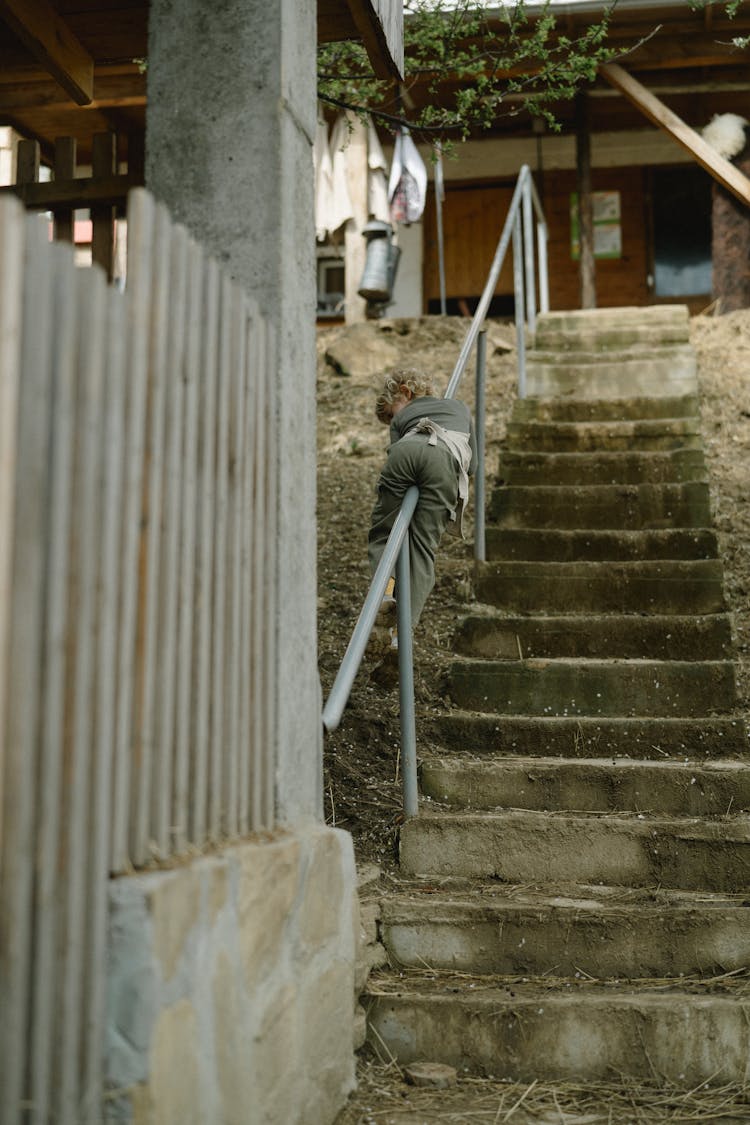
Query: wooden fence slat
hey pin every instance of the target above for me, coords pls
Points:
(21, 734)
(77, 766)
(11, 289)
(206, 470)
(234, 546)
(220, 563)
(141, 219)
(246, 702)
(110, 458)
(268, 566)
(49, 785)
(186, 562)
(171, 507)
(149, 562)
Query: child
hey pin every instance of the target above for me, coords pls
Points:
(432, 446)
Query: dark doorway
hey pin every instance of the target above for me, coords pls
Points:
(682, 232)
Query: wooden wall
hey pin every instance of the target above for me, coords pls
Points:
(473, 217)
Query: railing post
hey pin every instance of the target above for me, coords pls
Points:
(479, 410)
(520, 312)
(406, 683)
(528, 252)
(541, 247)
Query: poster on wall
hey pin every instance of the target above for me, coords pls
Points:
(607, 226)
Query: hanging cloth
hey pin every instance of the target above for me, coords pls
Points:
(341, 204)
(407, 187)
(377, 178)
(323, 179)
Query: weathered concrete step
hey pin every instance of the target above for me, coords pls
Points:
(655, 467)
(581, 737)
(617, 850)
(599, 637)
(590, 785)
(585, 437)
(639, 370)
(626, 507)
(604, 587)
(574, 545)
(593, 687)
(598, 931)
(531, 1032)
(664, 324)
(604, 410)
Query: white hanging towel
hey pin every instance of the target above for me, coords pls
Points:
(323, 179)
(407, 187)
(341, 204)
(377, 178)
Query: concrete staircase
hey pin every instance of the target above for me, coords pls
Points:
(576, 890)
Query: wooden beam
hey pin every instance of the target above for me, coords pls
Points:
(722, 170)
(74, 193)
(385, 52)
(53, 44)
(109, 91)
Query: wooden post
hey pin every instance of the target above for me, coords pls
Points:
(585, 205)
(27, 162)
(354, 243)
(103, 163)
(65, 169)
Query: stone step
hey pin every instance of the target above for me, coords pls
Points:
(515, 846)
(531, 1031)
(626, 507)
(570, 545)
(599, 637)
(602, 468)
(638, 371)
(581, 737)
(604, 587)
(662, 324)
(600, 410)
(593, 687)
(589, 785)
(587, 437)
(481, 928)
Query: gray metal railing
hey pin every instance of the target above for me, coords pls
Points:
(518, 231)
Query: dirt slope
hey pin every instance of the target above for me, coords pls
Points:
(362, 770)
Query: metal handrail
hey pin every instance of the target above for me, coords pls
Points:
(518, 228)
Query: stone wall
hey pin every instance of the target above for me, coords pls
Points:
(230, 986)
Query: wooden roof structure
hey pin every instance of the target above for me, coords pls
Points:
(74, 68)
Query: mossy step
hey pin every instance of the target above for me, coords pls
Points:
(586, 437)
(590, 785)
(683, 739)
(593, 687)
(527, 1031)
(598, 545)
(602, 636)
(525, 846)
(612, 409)
(656, 467)
(626, 507)
(594, 931)
(662, 587)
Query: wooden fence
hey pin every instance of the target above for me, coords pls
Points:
(137, 547)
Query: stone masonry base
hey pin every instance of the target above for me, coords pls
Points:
(230, 986)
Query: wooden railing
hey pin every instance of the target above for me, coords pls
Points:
(137, 563)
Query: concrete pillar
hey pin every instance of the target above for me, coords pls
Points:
(231, 117)
(354, 243)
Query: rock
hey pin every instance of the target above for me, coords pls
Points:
(436, 1075)
(361, 351)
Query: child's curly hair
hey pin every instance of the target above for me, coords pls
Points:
(416, 381)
